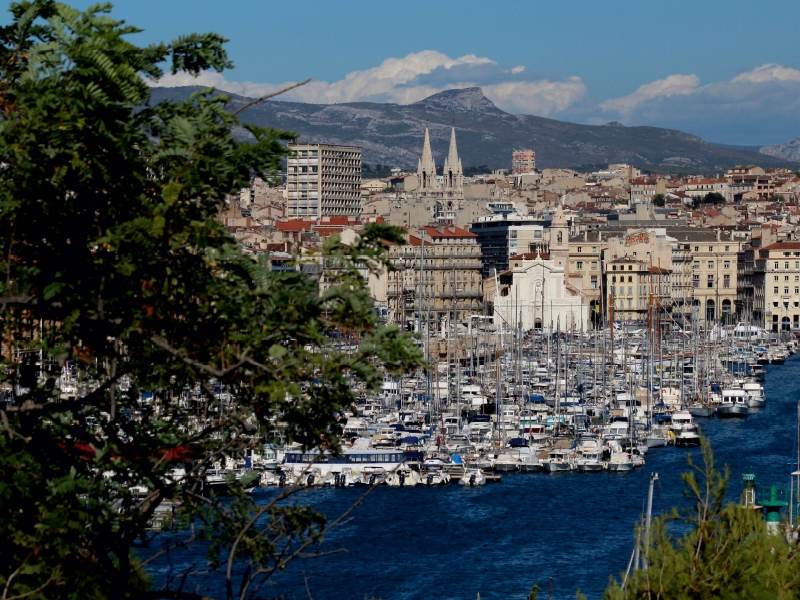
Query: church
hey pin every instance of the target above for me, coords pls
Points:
(445, 192)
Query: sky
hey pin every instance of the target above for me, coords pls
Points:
(728, 71)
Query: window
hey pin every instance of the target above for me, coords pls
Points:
(594, 266)
(711, 281)
(579, 265)
(796, 265)
(696, 264)
(630, 279)
(727, 248)
(785, 290)
(629, 303)
(580, 248)
(711, 264)
(777, 278)
(797, 290)
(775, 291)
(630, 291)
(726, 264)
(776, 266)
(711, 248)
(594, 282)
(726, 281)
(696, 281)
(775, 303)
(697, 248)
(786, 278)
(594, 249)
(786, 265)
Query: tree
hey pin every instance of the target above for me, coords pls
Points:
(775, 198)
(140, 345)
(713, 198)
(659, 200)
(725, 552)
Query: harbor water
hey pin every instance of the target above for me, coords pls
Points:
(499, 540)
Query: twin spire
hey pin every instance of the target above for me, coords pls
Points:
(426, 168)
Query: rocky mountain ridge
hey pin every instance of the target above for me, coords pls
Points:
(393, 134)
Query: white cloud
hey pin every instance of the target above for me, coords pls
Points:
(767, 73)
(412, 78)
(542, 97)
(662, 88)
(759, 106)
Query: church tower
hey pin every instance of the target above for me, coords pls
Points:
(453, 174)
(559, 240)
(426, 169)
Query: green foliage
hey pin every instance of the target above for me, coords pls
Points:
(776, 198)
(726, 551)
(659, 200)
(713, 198)
(119, 273)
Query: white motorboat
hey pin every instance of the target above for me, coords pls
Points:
(590, 461)
(559, 460)
(505, 462)
(734, 405)
(435, 477)
(755, 394)
(684, 429)
(473, 478)
(620, 461)
(403, 477)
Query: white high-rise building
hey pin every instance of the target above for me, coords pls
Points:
(323, 180)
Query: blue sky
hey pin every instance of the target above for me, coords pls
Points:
(727, 71)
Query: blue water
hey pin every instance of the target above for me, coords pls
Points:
(500, 540)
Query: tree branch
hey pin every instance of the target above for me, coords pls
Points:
(268, 96)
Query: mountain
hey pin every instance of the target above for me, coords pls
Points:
(787, 151)
(393, 134)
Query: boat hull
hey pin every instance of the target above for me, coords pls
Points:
(732, 412)
(702, 411)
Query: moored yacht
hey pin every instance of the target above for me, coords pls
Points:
(733, 405)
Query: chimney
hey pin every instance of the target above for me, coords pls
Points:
(586, 236)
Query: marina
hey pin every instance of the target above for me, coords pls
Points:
(421, 535)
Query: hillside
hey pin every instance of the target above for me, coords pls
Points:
(392, 133)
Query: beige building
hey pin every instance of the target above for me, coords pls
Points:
(705, 274)
(448, 282)
(586, 252)
(635, 288)
(323, 180)
(777, 273)
(645, 189)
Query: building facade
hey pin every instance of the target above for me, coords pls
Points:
(438, 271)
(777, 271)
(523, 161)
(323, 180)
(535, 292)
(501, 236)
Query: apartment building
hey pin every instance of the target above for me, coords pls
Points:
(586, 253)
(323, 180)
(501, 236)
(777, 272)
(705, 274)
(644, 189)
(698, 188)
(630, 283)
(449, 280)
(523, 161)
